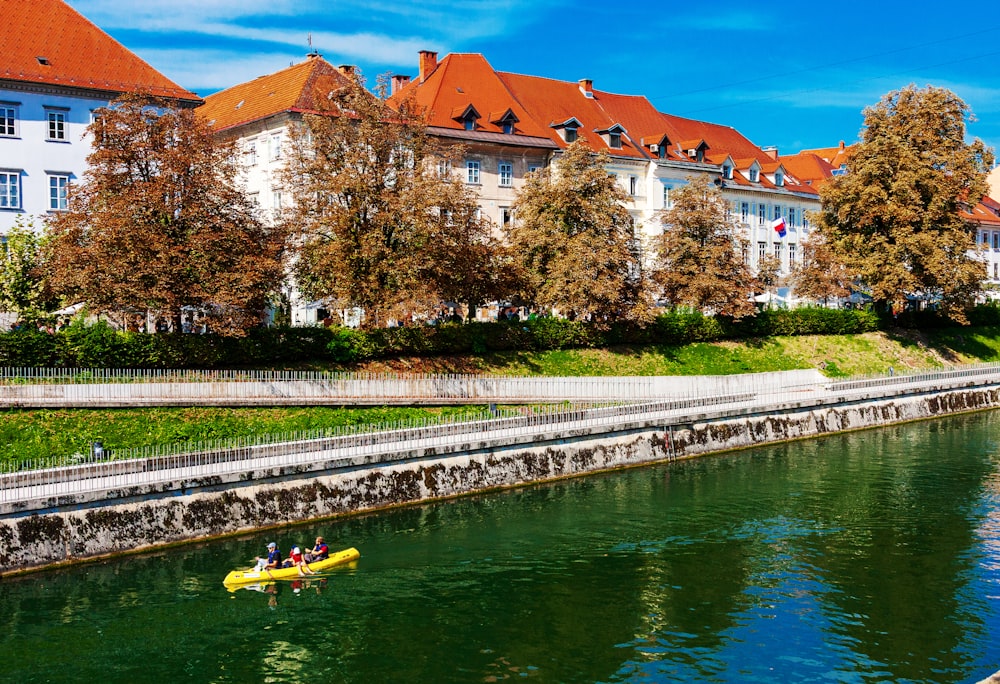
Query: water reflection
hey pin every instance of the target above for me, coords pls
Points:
(862, 557)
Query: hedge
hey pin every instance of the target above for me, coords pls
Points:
(99, 345)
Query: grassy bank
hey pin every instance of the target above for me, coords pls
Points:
(40, 434)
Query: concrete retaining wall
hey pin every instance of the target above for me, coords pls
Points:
(72, 530)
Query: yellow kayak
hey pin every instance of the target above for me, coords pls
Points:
(237, 577)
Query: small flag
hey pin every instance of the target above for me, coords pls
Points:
(779, 226)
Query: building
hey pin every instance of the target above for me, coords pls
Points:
(57, 70)
(257, 116)
(510, 124)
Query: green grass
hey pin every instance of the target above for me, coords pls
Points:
(43, 434)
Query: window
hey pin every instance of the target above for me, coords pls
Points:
(791, 217)
(791, 255)
(761, 214)
(254, 198)
(506, 171)
(276, 200)
(9, 186)
(745, 251)
(996, 271)
(506, 216)
(761, 250)
(777, 251)
(508, 127)
(472, 172)
(56, 124)
(469, 123)
(533, 167)
(569, 134)
(444, 168)
(986, 239)
(274, 147)
(251, 153)
(615, 141)
(779, 178)
(57, 192)
(8, 120)
(745, 211)
(996, 240)
(633, 186)
(667, 204)
(777, 211)
(754, 175)
(727, 171)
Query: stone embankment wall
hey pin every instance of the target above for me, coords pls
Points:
(72, 529)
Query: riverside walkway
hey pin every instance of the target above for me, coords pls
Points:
(106, 479)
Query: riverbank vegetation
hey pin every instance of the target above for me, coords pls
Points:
(43, 434)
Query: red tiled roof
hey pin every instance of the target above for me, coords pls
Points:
(463, 80)
(289, 90)
(835, 156)
(48, 42)
(808, 168)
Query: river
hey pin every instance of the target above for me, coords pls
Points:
(865, 557)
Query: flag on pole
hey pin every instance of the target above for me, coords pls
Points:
(779, 226)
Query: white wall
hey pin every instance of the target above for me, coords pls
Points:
(33, 156)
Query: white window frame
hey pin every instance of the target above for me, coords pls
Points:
(8, 120)
(754, 176)
(56, 124)
(633, 185)
(745, 212)
(667, 202)
(791, 255)
(10, 189)
(761, 214)
(761, 250)
(473, 172)
(791, 217)
(58, 185)
(274, 147)
(505, 170)
(251, 152)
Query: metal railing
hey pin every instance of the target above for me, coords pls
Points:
(46, 388)
(160, 465)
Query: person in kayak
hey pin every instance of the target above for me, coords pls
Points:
(296, 560)
(272, 561)
(318, 552)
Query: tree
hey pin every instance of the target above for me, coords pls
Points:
(820, 275)
(383, 223)
(464, 260)
(159, 223)
(699, 256)
(894, 218)
(21, 290)
(574, 240)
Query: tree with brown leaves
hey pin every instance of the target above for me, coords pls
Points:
(820, 275)
(380, 227)
(574, 242)
(894, 218)
(159, 223)
(699, 256)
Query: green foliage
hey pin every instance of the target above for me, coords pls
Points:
(21, 290)
(99, 345)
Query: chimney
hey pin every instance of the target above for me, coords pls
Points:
(841, 144)
(587, 87)
(771, 151)
(428, 63)
(397, 83)
(346, 70)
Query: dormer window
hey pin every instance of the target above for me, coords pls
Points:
(505, 121)
(467, 116)
(612, 136)
(567, 129)
(695, 149)
(727, 171)
(754, 175)
(779, 178)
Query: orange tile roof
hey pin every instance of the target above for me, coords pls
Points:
(835, 156)
(289, 90)
(463, 80)
(48, 42)
(808, 168)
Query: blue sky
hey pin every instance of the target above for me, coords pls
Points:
(792, 75)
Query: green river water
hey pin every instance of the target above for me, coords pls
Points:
(867, 557)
